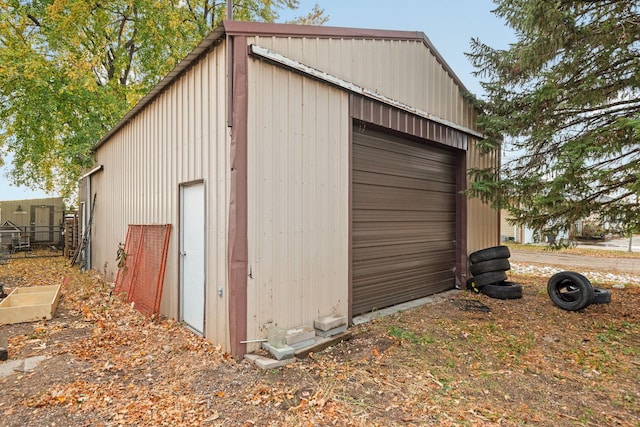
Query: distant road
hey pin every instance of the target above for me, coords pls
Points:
(581, 262)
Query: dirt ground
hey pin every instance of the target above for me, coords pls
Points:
(467, 360)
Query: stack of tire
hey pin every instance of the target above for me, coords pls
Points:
(572, 291)
(488, 273)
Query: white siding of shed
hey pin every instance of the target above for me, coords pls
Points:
(403, 70)
(298, 184)
(181, 137)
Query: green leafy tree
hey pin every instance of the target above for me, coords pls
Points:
(69, 69)
(564, 99)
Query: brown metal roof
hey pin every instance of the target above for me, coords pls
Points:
(269, 29)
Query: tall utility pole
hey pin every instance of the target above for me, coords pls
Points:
(229, 10)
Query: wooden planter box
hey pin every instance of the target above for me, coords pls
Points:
(29, 304)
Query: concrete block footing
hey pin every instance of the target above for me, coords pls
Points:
(280, 353)
(329, 322)
(298, 335)
(306, 343)
(331, 332)
(266, 363)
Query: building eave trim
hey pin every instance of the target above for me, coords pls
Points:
(92, 171)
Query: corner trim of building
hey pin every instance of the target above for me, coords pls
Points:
(238, 247)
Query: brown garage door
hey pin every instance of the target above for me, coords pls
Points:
(403, 220)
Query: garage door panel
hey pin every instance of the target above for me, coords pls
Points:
(392, 144)
(387, 198)
(395, 233)
(403, 229)
(395, 181)
(368, 252)
(397, 165)
(370, 303)
(393, 196)
(374, 269)
(414, 284)
(373, 215)
(398, 290)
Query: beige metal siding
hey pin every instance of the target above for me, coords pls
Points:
(404, 213)
(298, 183)
(403, 70)
(180, 137)
(483, 222)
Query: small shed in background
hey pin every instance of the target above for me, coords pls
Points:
(307, 171)
(39, 220)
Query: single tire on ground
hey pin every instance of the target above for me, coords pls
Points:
(601, 296)
(489, 278)
(500, 264)
(487, 254)
(570, 290)
(503, 290)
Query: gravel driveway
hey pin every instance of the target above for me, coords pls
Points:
(613, 265)
(622, 270)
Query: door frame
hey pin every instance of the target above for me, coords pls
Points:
(368, 113)
(181, 236)
(455, 158)
(34, 226)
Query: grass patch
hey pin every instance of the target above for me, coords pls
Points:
(410, 336)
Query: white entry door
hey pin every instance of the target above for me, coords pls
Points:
(192, 256)
(42, 224)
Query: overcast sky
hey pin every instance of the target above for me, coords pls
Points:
(449, 25)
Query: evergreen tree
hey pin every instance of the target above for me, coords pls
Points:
(564, 100)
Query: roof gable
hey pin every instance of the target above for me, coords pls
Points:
(243, 28)
(9, 226)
